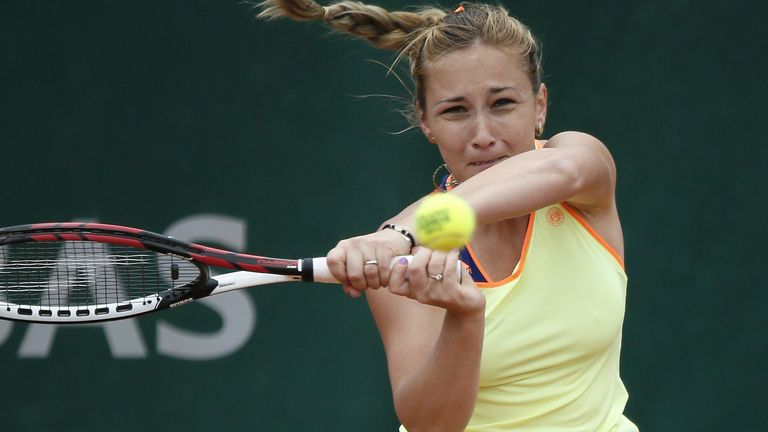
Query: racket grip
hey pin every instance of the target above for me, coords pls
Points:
(321, 273)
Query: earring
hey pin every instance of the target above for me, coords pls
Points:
(539, 130)
(432, 139)
(451, 183)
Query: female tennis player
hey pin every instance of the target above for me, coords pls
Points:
(531, 341)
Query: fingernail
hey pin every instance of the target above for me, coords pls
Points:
(403, 261)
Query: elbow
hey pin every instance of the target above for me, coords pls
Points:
(436, 427)
(568, 175)
(581, 169)
(585, 179)
(442, 417)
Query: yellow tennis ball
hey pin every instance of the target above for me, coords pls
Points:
(444, 221)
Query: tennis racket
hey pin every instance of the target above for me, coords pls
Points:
(76, 272)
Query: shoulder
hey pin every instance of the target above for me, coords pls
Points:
(596, 200)
(587, 150)
(592, 165)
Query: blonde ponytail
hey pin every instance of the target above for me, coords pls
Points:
(382, 28)
(299, 10)
(421, 36)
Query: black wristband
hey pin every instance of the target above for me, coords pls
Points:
(404, 232)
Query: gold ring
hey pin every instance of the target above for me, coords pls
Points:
(437, 277)
(371, 262)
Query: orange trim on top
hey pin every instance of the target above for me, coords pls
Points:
(580, 219)
(520, 264)
(523, 254)
(477, 262)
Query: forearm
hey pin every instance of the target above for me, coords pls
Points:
(440, 394)
(574, 167)
(520, 185)
(513, 188)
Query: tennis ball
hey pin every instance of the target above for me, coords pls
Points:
(444, 221)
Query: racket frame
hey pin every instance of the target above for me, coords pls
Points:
(267, 270)
(250, 270)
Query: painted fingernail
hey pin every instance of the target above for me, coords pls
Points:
(403, 261)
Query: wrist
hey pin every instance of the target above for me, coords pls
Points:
(404, 232)
(470, 306)
(466, 319)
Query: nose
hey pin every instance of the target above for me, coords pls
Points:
(483, 136)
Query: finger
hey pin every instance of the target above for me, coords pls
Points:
(384, 257)
(351, 292)
(398, 283)
(417, 269)
(451, 263)
(371, 270)
(436, 266)
(355, 269)
(337, 263)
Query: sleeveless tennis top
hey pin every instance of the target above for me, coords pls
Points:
(550, 360)
(553, 333)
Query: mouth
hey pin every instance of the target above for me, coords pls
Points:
(488, 162)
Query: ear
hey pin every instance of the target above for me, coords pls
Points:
(425, 127)
(541, 105)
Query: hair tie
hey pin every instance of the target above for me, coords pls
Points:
(459, 9)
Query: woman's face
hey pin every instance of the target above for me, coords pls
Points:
(480, 108)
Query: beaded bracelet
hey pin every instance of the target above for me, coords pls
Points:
(404, 232)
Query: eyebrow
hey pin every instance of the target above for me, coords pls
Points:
(492, 90)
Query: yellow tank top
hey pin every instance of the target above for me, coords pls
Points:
(553, 333)
(550, 358)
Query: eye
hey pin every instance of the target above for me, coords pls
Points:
(456, 109)
(503, 102)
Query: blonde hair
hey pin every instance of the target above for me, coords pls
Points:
(423, 35)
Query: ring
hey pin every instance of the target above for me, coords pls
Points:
(371, 262)
(437, 277)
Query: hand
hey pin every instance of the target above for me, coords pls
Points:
(347, 261)
(431, 279)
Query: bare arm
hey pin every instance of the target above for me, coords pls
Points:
(434, 345)
(572, 167)
(433, 354)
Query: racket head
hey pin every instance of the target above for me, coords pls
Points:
(83, 272)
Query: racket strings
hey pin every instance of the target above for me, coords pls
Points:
(76, 274)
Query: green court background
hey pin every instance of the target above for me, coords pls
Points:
(147, 113)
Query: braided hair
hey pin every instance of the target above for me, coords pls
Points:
(423, 35)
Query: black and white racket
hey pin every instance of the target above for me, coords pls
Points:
(87, 272)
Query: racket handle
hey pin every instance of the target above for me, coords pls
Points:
(321, 273)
